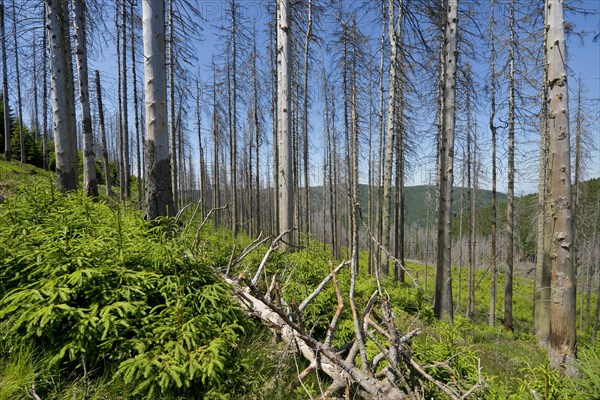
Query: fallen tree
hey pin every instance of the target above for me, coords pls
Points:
(390, 374)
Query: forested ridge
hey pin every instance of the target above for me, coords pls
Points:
(397, 199)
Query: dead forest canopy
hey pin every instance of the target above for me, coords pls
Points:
(405, 192)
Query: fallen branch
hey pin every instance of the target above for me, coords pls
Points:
(204, 221)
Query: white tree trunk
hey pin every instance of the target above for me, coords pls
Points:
(286, 185)
(159, 198)
(90, 184)
(65, 139)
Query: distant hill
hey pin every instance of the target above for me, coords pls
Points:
(418, 199)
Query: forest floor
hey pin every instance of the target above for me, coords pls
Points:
(44, 357)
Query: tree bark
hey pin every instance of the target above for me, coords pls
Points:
(138, 139)
(159, 196)
(390, 143)
(563, 336)
(172, 122)
(45, 97)
(510, 206)
(286, 185)
(5, 97)
(541, 297)
(18, 84)
(107, 178)
(494, 266)
(90, 183)
(443, 287)
(65, 138)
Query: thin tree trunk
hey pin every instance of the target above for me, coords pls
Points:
(510, 206)
(159, 195)
(121, 106)
(103, 137)
(233, 127)
(541, 303)
(138, 140)
(172, 122)
(36, 115)
(286, 186)
(5, 97)
(45, 97)
(18, 83)
(305, 120)
(493, 283)
(257, 202)
(201, 173)
(394, 28)
(443, 288)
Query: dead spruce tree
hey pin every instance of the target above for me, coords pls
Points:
(159, 197)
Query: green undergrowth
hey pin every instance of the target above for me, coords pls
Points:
(97, 303)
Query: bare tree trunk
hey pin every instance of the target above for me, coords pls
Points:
(201, 173)
(36, 116)
(510, 206)
(443, 288)
(65, 139)
(120, 154)
(286, 185)
(90, 184)
(562, 307)
(273, 46)
(172, 122)
(492, 316)
(394, 32)
(103, 136)
(44, 97)
(541, 303)
(381, 140)
(159, 195)
(216, 177)
(138, 140)
(257, 202)
(18, 83)
(233, 128)
(305, 120)
(7, 133)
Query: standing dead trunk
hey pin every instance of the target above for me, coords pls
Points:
(36, 115)
(138, 139)
(286, 184)
(233, 121)
(307, 40)
(172, 122)
(45, 98)
(126, 163)
(541, 297)
(7, 135)
(90, 184)
(103, 137)
(65, 139)
(443, 280)
(562, 307)
(494, 266)
(394, 32)
(159, 197)
(18, 83)
(510, 206)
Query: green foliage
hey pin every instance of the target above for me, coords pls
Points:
(82, 282)
(543, 380)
